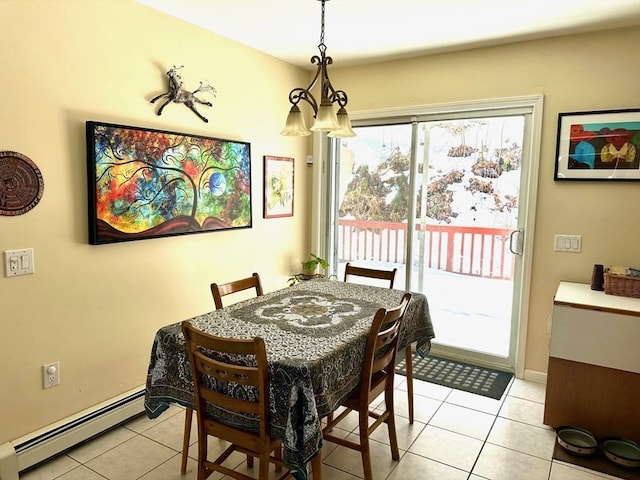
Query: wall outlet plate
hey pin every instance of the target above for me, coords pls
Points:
(50, 374)
(18, 262)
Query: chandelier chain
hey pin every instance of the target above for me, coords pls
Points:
(322, 25)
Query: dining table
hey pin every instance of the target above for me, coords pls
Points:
(315, 334)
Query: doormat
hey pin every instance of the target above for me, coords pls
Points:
(460, 376)
(597, 462)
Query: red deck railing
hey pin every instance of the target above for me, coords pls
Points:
(476, 251)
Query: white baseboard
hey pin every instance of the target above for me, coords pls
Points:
(535, 376)
(47, 442)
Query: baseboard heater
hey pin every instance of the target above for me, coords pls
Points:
(55, 439)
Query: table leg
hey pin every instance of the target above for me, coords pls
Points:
(316, 466)
(409, 364)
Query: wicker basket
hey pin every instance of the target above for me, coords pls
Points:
(622, 285)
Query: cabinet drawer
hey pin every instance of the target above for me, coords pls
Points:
(595, 337)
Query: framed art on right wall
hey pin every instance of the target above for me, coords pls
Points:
(602, 145)
(278, 186)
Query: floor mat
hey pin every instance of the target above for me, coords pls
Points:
(461, 376)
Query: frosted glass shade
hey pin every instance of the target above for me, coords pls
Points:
(345, 126)
(295, 126)
(326, 119)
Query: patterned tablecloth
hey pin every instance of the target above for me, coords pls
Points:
(315, 333)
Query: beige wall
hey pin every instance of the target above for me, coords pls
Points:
(96, 308)
(576, 73)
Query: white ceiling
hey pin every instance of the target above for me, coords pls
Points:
(366, 31)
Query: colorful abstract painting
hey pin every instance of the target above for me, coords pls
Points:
(148, 183)
(599, 145)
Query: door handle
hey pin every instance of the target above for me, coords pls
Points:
(518, 250)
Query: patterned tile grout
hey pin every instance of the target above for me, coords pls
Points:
(143, 432)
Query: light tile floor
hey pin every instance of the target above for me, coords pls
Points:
(455, 436)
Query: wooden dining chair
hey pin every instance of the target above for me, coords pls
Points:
(390, 276)
(218, 291)
(220, 366)
(378, 371)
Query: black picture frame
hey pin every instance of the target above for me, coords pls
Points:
(145, 183)
(598, 146)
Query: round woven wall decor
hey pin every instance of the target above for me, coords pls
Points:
(21, 183)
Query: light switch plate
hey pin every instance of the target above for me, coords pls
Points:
(567, 243)
(18, 262)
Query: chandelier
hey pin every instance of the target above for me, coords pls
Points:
(326, 118)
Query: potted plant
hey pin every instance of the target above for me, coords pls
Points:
(310, 265)
(309, 269)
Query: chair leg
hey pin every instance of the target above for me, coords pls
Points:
(202, 456)
(366, 460)
(250, 461)
(264, 466)
(188, 415)
(409, 364)
(391, 425)
(329, 420)
(278, 455)
(316, 467)
(365, 452)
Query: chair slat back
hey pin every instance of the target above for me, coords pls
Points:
(382, 341)
(223, 374)
(388, 275)
(220, 366)
(219, 291)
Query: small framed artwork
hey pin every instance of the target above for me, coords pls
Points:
(278, 186)
(147, 183)
(602, 145)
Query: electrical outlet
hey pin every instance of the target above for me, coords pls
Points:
(18, 262)
(51, 374)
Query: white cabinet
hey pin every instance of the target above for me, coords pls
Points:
(593, 379)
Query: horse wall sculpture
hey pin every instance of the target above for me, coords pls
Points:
(179, 95)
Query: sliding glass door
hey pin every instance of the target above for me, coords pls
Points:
(442, 198)
(468, 193)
